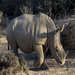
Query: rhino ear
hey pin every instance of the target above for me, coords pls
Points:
(60, 29)
(57, 30)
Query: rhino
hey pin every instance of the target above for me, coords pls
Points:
(31, 32)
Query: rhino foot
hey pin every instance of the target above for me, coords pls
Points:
(44, 66)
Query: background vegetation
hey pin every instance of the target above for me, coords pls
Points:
(54, 8)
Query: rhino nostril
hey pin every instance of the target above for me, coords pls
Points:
(61, 62)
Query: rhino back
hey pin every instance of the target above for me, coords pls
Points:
(27, 30)
(30, 29)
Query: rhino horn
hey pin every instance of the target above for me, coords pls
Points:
(66, 54)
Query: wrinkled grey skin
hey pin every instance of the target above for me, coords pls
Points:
(30, 32)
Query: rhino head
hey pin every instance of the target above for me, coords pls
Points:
(56, 47)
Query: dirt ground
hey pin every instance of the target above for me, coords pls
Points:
(54, 68)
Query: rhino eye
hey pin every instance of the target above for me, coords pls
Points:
(56, 49)
(58, 53)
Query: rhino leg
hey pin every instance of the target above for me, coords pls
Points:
(14, 48)
(40, 55)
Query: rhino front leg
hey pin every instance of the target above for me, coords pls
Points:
(40, 55)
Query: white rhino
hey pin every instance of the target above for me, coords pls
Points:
(31, 32)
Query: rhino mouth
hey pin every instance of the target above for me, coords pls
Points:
(60, 60)
(61, 57)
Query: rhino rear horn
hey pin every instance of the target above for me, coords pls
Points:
(66, 53)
